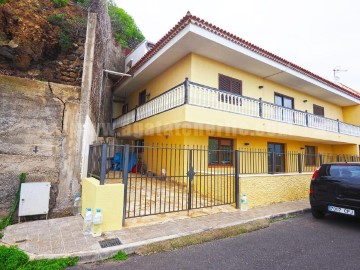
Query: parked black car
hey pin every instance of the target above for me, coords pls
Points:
(335, 188)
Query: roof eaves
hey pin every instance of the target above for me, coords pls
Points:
(188, 18)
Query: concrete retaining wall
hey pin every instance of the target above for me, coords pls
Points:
(39, 136)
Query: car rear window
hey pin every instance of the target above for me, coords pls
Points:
(341, 171)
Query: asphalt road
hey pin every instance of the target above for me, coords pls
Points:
(298, 243)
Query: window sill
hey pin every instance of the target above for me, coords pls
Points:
(221, 166)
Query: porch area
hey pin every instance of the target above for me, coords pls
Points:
(191, 93)
(162, 179)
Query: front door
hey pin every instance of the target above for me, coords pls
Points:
(276, 158)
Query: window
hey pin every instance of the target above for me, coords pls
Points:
(276, 157)
(284, 101)
(231, 85)
(318, 110)
(281, 114)
(125, 108)
(220, 151)
(310, 155)
(139, 146)
(142, 97)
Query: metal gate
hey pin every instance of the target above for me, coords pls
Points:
(164, 179)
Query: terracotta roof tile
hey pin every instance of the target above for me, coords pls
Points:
(189, 18)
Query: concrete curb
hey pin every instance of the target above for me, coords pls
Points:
(136, 247)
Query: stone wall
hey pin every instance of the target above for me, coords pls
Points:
(39, 136)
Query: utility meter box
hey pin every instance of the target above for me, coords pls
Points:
(34, 199)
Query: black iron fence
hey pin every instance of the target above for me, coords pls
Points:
(107, 161)
(168, 178)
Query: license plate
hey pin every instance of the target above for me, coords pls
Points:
(341, 210)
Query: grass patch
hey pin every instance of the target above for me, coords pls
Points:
(120, 256)
(7, 220)
(284, 217)
(12, 258)
(202, 237)
(50, 264)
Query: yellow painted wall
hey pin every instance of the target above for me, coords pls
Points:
(231, 123)
(205, 71)
(269, 189)
(173, 76)
(164, 156)
(352, 115)
(117, 106)
(346, 149)
(200, 138)
(109, 198)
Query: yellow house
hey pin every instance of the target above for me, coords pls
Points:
(202, 87)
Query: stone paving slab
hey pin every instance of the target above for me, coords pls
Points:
(62, 237)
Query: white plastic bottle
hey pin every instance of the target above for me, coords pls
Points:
(88, 222)
(97, 223)
(244, 204)
(77, 205)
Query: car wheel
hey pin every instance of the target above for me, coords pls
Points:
(317, 213)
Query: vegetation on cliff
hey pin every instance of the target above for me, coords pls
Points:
(44, 39)
(124, 27)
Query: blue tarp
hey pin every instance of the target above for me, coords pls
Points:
(117, 161)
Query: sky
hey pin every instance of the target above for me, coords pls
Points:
(318, 35)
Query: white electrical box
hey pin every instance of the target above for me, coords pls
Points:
(34, 199)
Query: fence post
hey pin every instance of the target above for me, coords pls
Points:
(103, 163)
(237, 179)
(306, 118)
(337, 158)
(260, 108)
(186, 84)
(125, 172)
(89, 161)
(300, 162)
(321, 159)
(338, 125)
(191, 175)
(273, 162)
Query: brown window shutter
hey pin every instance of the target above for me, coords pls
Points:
(318, 110)
(229, 84)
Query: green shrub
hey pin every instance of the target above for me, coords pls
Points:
(70, 28)
(7, 220)
(57, 19)
(12, 258)
(61, 3)
(124, 27)
(2, 2)
(50, 264)
(65, 41)
(120, 256)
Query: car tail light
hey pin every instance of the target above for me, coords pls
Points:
(315, 174)
(311, 191)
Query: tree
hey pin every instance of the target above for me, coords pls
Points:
(124, 27)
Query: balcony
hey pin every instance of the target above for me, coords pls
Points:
(190, 93)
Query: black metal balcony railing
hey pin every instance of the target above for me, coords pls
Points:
(204, 96)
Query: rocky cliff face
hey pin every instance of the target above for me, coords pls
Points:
(39, 40)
